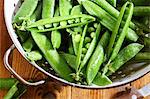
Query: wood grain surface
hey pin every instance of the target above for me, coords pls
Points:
(51, 90)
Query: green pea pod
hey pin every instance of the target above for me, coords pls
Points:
(94, 63)
(56, 39)
(55, 60)
(111, 10)
(143, 56)
(34, 56)
(91, 47)
(7, 83)
(124, 30)
(141, 11)
(23, 35)
(125, 55)
(36, 15)
(70, 59)
(76, 10)
(113, 49)
(105, 39)
(28, 45)
(48, 8)
(12, 91)
(78, 59)
(116, 42)
(15, 91)
(136, 2)
(112, 2)
(105, 18)
(25, 11)
(101, 80)
(42, 22)
(65, 8)
(55, 35)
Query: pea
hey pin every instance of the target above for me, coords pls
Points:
(84, 50)
(90, 29)
(87, 45)
(92, 34)
(77, 38)
(87, 40)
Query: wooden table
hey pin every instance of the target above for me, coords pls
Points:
(52, 89)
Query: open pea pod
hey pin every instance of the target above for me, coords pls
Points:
(119, 33)
(91, 46)
(125, 55)
(75, 32)
(84, 19)
(51, 55)
(105, 18)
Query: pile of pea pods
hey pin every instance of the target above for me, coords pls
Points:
(84, 41)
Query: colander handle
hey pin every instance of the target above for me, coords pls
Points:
(10, 69)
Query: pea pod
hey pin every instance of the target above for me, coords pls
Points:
(76, 10)
(55, 35)
(25, 11)
(65, 8)
(94, 63)
(15, 91)
(48, 8)
(7, 83)
(141, 11)
(101, 80)
(125, 55)
(105, 18)
(70, 59)
(116, 31)
(111, 10)
(105, 39)
(27, 41)
(112, 2)
(36, 14)
(116, 42)
(143, 56)
(56, 39)
(91, 47)
(78, 60)
(42, 22)
(55, 60)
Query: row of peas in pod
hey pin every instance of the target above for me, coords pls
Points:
(83, 41)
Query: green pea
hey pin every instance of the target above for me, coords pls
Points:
(77, 20)
(90, 29)
(92, 34)
(95, 25)
(41, 27)
(87, 45)
(82, 56)
(87, 40)
(48, 25)
(77, 38)
(71, 21)
(84, 50)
